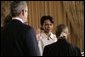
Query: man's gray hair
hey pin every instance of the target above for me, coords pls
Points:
(17, 7)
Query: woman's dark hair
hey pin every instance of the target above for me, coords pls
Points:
(43, 18)
(59, 29)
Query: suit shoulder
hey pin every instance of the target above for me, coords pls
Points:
(27, 27)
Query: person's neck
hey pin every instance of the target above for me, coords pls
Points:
(47, 33)
(62, 37)
(18, 18)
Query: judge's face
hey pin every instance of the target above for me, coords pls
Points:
(66, 31)
(47, 26)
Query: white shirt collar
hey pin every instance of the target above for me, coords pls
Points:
(17, 18)
(51, 35)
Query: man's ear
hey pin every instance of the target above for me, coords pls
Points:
(22, 12)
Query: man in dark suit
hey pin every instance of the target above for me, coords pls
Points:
(62, 47)
(18, 39)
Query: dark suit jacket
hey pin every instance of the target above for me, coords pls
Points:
(61, 48)
(18, 39)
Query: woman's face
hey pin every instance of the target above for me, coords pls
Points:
(47, 26)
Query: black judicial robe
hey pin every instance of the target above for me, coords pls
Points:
(61, 48)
